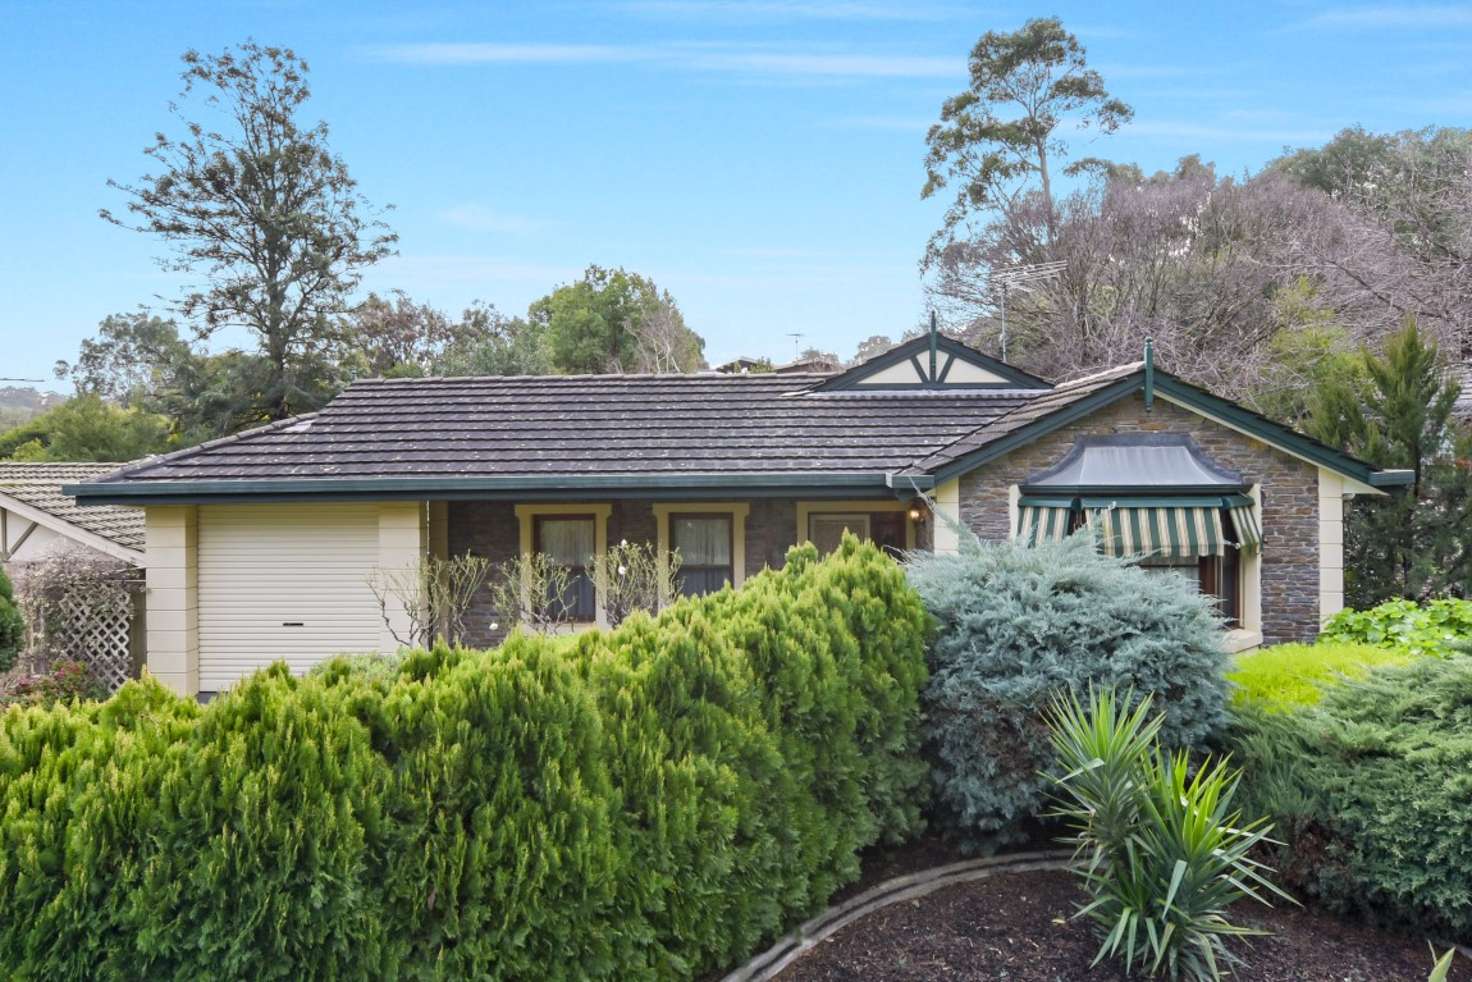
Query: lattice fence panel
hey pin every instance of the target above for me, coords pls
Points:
(95, 630)
(81, 611)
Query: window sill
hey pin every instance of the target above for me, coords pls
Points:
(1241, 639)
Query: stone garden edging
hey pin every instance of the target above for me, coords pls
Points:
(805, 936)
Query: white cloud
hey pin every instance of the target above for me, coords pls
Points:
(752, 59)
(1395, 15)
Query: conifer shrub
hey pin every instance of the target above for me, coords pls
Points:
(12, 625)
(1018, 627)
(1371, 791)
(648, 802)
(1286, 676)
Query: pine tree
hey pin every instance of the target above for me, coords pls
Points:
(1412, 543)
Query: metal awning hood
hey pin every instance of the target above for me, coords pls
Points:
(1134, 462)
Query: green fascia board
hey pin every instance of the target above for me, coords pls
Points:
(1038, 428)
(914, 349)
(1195, 398)
(1268, 431)
(549, 488)
(1392, 479)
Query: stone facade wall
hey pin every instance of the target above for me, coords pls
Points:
(1290, 518)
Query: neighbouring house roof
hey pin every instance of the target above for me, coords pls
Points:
(35, 492)
(682, 435)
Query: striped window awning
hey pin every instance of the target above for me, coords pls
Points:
(1043, 520)
(1244, 518)
(1179, 528)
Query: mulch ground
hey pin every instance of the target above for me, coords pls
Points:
(1017, 927)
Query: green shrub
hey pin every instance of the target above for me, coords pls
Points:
(1017, 627)
(1372, 790)
(12, 626)
(1287, 676)
(648, 802)
(1404, 625)
(1160, 850)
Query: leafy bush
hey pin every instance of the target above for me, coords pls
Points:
(1404, 625)
(1160, 850)
(648, 802)
(65, 681)
(1017, 627)
(12, 626)
(1372, 790)
(1287, 676)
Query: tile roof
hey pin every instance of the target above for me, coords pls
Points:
(1046, 402)
(618, 425)
(39, 485)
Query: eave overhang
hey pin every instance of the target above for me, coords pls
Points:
(502, 488)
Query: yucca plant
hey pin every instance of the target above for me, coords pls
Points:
(1160, 850)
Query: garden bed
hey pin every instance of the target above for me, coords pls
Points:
(1018, 926)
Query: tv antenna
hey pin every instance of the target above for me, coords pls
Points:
(1023, 277)
(796, 345)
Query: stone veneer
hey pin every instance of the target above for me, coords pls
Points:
(1290, 517)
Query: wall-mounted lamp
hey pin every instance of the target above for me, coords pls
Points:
(915, 513)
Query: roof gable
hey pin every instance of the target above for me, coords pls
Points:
(1074, 400)
(932, 361)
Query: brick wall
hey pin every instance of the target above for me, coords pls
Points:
(1290, 556)
(490, 528)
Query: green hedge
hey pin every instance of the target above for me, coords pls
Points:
(1288, 676)
(650, 802)
(1371, 790)
(1433, 628)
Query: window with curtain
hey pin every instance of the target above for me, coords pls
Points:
(704, 545)
(570, 541)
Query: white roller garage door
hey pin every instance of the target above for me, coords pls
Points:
(284, 581)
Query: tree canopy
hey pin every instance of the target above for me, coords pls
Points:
(1001, 133)
(253, 199)
(612, 320)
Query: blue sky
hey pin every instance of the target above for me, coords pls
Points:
(760, 160)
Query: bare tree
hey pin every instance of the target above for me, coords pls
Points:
(532, 590)
(435, 596)
(634, 578)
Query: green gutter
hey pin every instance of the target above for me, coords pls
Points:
(810, 484)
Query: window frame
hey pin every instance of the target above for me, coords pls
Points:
(738, 511)
(581, 572)
(729, 567)
(526, 516)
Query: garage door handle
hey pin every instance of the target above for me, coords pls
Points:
(293, 624)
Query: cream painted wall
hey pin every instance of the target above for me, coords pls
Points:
(1331, 544)
(948, 517)
(173, 599)
(232, 588)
